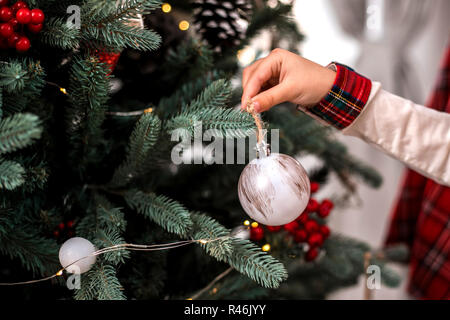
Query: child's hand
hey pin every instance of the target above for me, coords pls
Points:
(284, 76)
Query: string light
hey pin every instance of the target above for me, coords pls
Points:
(255, 224)
(266, 247)
(183, 25)
(123, 246)
(166, 7)
(63, 90)
(246, 223)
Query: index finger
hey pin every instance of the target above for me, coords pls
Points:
(268, 68)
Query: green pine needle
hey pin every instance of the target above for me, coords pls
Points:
(19, 131)
(167, 213)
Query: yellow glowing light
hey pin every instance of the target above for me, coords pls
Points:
(60, 272)
(246, 223)
(214, 291)
(63, 90)
(246, 56)
(166, 8)
(266, 247)
(184, 25)
(148, 110)
(255, 224)
(203, 241)
(189, 299)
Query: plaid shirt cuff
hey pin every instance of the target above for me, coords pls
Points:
(346, 99)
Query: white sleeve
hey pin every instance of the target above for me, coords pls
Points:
(416, 135)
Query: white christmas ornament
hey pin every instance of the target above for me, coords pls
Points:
(75, 255)
(273, 189)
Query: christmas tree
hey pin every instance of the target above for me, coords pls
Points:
(86, 151)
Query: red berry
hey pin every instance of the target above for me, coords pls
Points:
(328, 203)
(314, 187)
(311, 226)
(291, 226)
(273, 228)
(6, 30)
(315, 240)
(35, 28)
(19, 5)
(3, 3)
(24, 16)
(324, 211)
(23, 44)
(300, 236)
(56, 233)
(325, 231)
(70, 224)
(61, 226)
(37, 16)
(13, 39)
(6, 14)
(257, 233)
(303, 218)
(311, 254)
(14, 23)
(312, 205)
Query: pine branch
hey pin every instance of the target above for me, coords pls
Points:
(207, 108)
(109, 238)
(119, 36)
(19, 131)
(12, 175)
(89, 92)
(57, 33)
(38, 254)
(168, 106)
(12, 76)
(209, 229)
(256, 264)
(100, 283)
(142, 140)
(104, 11)
(167, 213)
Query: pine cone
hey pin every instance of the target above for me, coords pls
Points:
(220, 23)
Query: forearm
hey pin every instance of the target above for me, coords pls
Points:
(416, 135)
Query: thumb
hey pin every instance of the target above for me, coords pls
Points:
(270, 97)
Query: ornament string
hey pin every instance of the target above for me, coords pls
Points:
(119, 247)
(259, 124)
(261, 147)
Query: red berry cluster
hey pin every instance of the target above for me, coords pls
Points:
(13, 21)
(304, 229)
(64, 229)
(110, 58)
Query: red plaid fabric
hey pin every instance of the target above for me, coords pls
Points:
(421, 218)
(346, 99)
(422, 215)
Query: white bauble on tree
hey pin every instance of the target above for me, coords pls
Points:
(274, 189)
(76, 255)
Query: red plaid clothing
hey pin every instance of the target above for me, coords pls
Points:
(422, 218)
(422, 215)
(346, 99)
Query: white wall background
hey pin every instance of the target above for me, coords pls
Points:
(325, 42)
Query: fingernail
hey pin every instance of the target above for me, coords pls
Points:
(256, 106)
